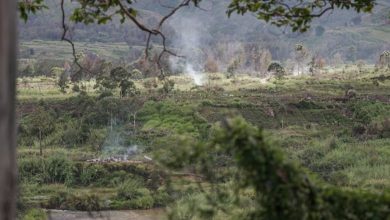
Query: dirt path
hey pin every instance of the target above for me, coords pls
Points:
(152, 214)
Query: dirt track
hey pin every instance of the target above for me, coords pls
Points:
(153, 214)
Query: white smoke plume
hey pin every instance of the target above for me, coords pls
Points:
(198, 77)
(115, 146)
(188, 42)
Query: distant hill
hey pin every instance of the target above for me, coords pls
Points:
(350, 35)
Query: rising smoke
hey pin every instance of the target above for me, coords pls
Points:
(115, 146)
(189, 42)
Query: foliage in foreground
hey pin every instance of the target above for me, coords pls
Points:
(280, 189)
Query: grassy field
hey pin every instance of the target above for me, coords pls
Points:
(63, 51)
(336, 125)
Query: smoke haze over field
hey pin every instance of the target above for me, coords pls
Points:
(188, 41)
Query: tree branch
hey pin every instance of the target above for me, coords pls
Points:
(155, 31)
(64, 38)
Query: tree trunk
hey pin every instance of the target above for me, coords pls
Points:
(7, 109)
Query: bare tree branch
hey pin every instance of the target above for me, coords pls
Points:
(155, 31)
(184, 3)
(64, 38)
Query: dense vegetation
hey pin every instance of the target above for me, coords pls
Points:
(335, 125)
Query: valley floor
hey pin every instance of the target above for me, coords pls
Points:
(336, 126)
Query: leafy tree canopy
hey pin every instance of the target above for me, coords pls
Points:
(298, 14)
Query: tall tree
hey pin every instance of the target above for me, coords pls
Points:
(40, 124)
(7, 109)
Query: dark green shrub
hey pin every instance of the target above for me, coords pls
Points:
(39, 124)
(106, 110)
(57, 169)
(56, 201)
(136, 74)
(69, 201)
(120, 204)
(74, 134)
(31, 170)
(385, 130)
(338, 178)
(380, 129)
(369, 111)
(307, 104)
(76, 88)
(85, 202)
(116, 178)
(91, 173)
(62, 82)
(135, 194)
(84, 174)
(35, 214)
(161, 198)
(130, 189)
(105, 93)
(349, 204)
(145, 201)
(170, 117)
(358, 129)
(96, 138)
(277, 70)
(168, 86)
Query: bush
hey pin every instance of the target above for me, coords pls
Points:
(76, 88)
(358, 129)
(380, 129)
(130, 189)
(145, 201)
(55, 169)
(31, 170)
(277, 70)
(58, 169)
(74, 134)
(169, 117)
(385, 131)
(162, 198)
(91, 173)
(87, 174)
(133, 195)
(168, 86)
(307, 104)
(106, 109)
(96, 138)
(136, 74)
(368, 111)
(117, 178)
(105, 93)
(69, 201)
(232, 68)
(35, 214)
